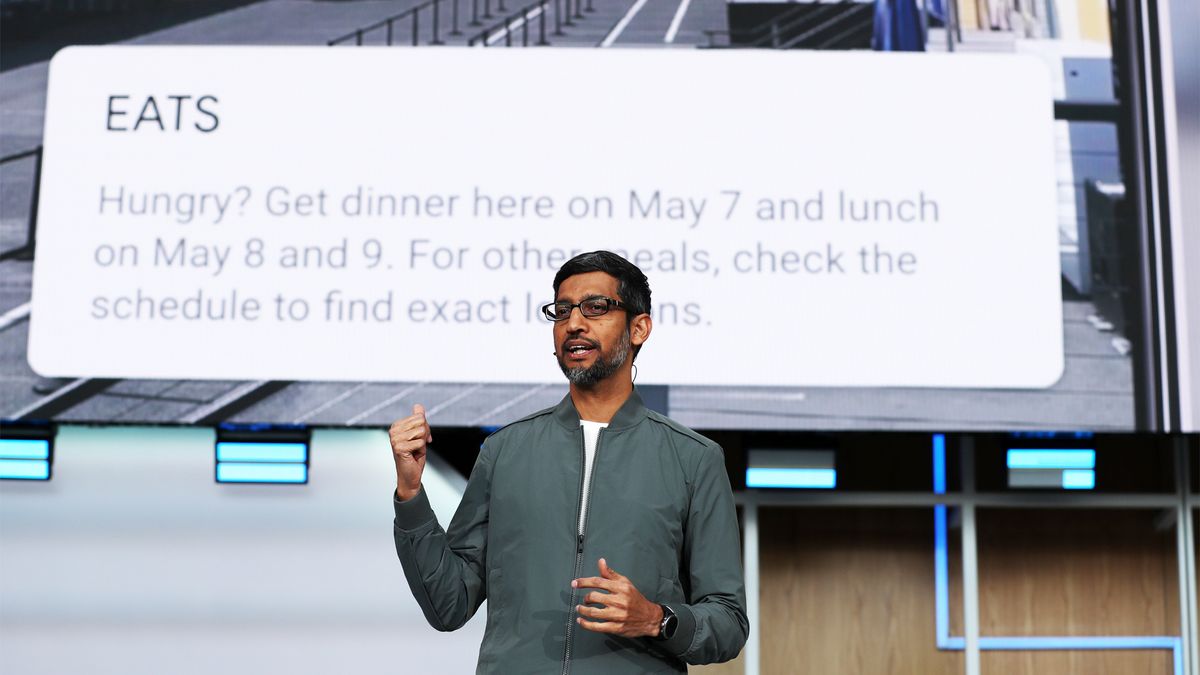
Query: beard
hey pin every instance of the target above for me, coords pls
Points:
(601, 368)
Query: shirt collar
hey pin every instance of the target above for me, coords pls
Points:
(630, 413)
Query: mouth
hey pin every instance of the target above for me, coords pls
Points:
(578, 350)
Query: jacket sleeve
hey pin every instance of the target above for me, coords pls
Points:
(446, 570)
(713, 627)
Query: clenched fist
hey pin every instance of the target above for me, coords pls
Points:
(409, 438)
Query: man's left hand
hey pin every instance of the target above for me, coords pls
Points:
(626, 612)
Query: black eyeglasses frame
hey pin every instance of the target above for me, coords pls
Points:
(610, 304)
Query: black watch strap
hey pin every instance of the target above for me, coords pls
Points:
(666, 629)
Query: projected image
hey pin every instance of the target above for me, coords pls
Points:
(939, 248)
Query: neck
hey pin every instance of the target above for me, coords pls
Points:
(599, 402)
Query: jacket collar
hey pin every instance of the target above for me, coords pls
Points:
(630, 413)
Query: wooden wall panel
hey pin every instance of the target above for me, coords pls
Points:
(1076, 572)
(849, 591)
(1118, 662)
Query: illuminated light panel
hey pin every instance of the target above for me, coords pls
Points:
(790, 478)
(261, 472)
(234, 451)
(1078, 479)
(1065, 469)
(792, 469)
(24, 459)
(24, 448)
(1051, 459)
(262, 455)
(25, 469)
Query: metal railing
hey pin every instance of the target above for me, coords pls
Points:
(387, 31)
(413, 15)
(769, 32)
(25, 251)
(523, 15)
(563, 16)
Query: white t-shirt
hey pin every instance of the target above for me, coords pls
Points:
(591, 433)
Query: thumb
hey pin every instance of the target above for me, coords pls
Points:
(419, 409)
(605, 571)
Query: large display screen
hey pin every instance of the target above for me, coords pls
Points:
(326, 236)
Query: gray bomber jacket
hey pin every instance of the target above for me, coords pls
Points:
(660, 511)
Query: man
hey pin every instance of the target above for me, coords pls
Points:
(602, 534)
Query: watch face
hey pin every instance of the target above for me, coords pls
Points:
(667, 630)
(669, 625)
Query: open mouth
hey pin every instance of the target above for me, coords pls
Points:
(578, 349)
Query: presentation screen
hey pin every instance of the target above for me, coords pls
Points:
(326, 236)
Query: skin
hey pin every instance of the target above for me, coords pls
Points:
(601, 401)
(622, 610)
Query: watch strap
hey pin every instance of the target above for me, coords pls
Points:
(666, 627)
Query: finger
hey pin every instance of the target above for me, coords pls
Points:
(411, 451)
(593, 612)
(608, 627)
(407, 443)
(412, 425)
(594, 582)
(606, 599)
(607, 572)
(419, 414)
(407, 426)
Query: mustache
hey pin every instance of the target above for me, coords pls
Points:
(591, 343)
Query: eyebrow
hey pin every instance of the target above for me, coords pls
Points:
(588, 297)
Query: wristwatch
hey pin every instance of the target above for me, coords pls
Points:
(666, 629)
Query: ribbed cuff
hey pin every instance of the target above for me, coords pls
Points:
(685, 632)
(411, 514)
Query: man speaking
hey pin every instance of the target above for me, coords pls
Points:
(602, 534)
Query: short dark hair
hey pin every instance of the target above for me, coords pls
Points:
(632, 284)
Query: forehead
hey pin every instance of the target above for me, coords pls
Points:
(579, 286)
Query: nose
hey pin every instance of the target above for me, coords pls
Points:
(576, 322)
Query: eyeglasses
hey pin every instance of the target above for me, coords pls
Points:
(589, 307)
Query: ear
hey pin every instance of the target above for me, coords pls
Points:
(639, 329)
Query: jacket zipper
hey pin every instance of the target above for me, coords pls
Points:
(585, 503)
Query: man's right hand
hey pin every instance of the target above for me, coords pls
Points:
(409, 438)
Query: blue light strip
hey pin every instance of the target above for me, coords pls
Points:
(939, 464)
(25, 469)
(941, 575)
(24, 448)
(941, 566)
(1026, 458)
(266, 472)
(228, 451)
(762, 477)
